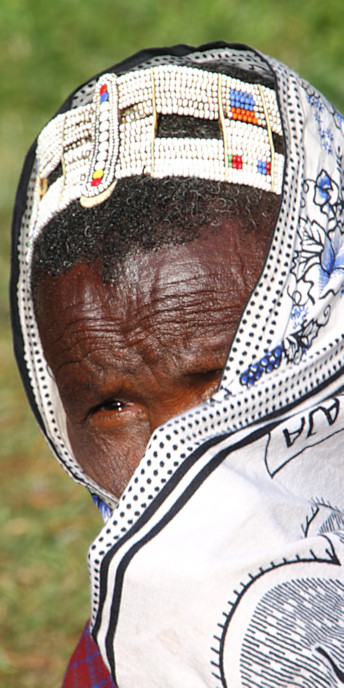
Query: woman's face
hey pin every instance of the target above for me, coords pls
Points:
(129, 357)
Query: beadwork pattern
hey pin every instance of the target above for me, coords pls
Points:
(115, 136)
(184, 91)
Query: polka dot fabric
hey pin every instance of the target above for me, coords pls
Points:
(227, 495)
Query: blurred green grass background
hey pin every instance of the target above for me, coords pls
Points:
(46, 50)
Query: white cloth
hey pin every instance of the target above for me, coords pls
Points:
(232, 574)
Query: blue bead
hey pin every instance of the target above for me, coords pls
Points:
(262, 167)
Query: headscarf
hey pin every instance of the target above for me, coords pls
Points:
(221, 565)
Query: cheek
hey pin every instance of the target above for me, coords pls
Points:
(109, 458)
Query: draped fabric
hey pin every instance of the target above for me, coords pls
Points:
(222, 564)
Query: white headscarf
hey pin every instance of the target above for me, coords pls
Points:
(222, 563)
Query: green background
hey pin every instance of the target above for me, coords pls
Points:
(46, 50)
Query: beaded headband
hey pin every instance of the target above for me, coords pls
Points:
(116, 137)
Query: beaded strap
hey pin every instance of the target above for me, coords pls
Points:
(247, 113)
(116, 137)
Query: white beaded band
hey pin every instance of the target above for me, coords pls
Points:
(116, 137)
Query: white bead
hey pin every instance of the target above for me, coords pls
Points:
(104, 126)
(104, 146)
(101, 157)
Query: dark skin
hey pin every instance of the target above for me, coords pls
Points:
(128, 357)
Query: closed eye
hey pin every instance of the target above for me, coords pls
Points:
(207, 375)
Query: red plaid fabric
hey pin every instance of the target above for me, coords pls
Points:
(86, 668)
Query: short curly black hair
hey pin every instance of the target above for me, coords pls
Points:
(146, 214)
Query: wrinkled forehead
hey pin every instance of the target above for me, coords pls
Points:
(163, 305)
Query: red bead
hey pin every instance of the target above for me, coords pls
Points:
(96, 182)
(103, 89)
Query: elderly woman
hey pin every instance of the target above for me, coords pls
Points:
(177, 300)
